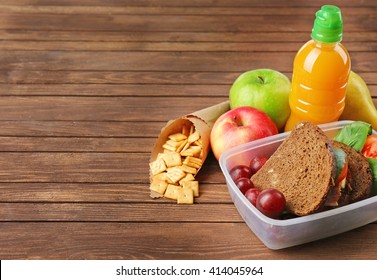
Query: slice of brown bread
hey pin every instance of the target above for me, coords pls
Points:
(302, 168)
(360, 174)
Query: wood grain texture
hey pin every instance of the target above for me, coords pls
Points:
(85, 88)
(98, 129)
(87, 167)
(162, 22)
(30, 81)
(188, 3)
(100, 108)
(62, 192)
(161, 61)
(80, 241)
(171, 36)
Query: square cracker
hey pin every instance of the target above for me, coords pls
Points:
(172, 191)
(178, 137)
(157, 166)
(172, 159)
(188, 177)
(193, 185)
(188, 169)
(175, 174)
(194, 137)
(185, 196)
(158, 186)
(193, 162)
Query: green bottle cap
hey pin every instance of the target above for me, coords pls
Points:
(328, 25)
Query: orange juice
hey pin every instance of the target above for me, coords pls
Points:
(320, 73)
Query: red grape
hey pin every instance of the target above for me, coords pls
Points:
(271, 203)
(240, 171)
(244, 184)
(252, 195)
(256, 163)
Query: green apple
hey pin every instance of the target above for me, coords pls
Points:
(265, 89)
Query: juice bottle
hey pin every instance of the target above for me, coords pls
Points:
(320, 72)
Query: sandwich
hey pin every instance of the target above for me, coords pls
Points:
(359, 178)
(314, 172)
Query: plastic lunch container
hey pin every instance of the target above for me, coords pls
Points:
(278, 234)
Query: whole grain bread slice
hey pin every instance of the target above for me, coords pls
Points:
(359, 173)
(302, 168)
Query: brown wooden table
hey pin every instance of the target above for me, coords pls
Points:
(86, 86)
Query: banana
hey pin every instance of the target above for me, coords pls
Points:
(359, 104)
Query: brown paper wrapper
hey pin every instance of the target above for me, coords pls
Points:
(203, 120)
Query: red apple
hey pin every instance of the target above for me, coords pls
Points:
(238, 126)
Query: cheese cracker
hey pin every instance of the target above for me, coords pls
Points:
(177, 137)
(172, 159)
(185, 196)
(175, 174)
(157, 166)
(158, 186)
(193, 185)
(172, 192)
(193, 137)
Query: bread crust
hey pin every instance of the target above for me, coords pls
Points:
(302, 168)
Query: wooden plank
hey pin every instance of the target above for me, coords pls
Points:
(74, 144)
(101, 108)
(94, 167)
(133, 90)
(74, 167)
(166, 78)
(169, 10)
(118, 212)
(106, 129)
(164, 241)
(238, 47)
(54, 108)
(157, 61)
(111, 77)
(147, 36)
(99, 193)
(163, 46)
(188, 3)
(162, 61)
(107, 90)
(117, 22)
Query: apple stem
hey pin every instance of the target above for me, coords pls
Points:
(237, 121)
(261, 79)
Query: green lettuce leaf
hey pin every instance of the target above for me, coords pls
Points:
(354, 134)
(340, 161)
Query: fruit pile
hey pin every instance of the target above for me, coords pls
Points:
(259, 107)
(267, 92)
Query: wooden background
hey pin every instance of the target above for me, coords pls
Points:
(86, 86)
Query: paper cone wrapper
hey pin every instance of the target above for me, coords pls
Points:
(203, 121)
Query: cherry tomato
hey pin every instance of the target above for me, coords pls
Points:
(256, 163)
(341, 161)
(244, 184)
(252, 195)
(240, 171)
(271, 203)
(370, 147)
